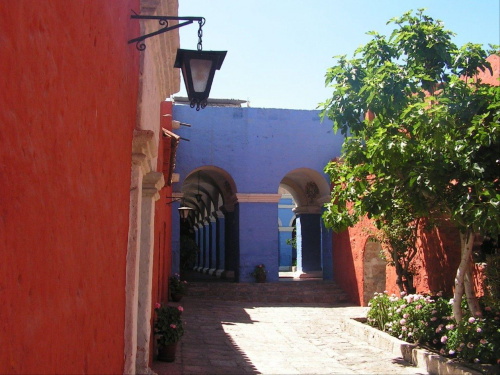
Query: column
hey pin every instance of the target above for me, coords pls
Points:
(310, 240)
(206, 245)
(220, 242)
(143, 151)
(197, 239)
(212, 245)
(201, 244)
(151, 184)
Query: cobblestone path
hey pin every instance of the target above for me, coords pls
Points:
(255, 338)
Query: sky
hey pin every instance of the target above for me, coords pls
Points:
(279, 50)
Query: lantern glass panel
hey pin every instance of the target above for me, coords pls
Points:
(200, 71)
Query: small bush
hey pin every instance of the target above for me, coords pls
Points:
(427, 320)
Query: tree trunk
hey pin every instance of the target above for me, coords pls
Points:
(466, 243)
(472, 300)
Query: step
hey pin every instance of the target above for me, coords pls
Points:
(310, 291)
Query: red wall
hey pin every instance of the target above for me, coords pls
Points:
(68, 98)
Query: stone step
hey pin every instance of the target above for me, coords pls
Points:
(307, 291)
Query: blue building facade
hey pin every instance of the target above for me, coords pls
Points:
(233, 173)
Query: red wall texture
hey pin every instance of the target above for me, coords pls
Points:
(68, 98)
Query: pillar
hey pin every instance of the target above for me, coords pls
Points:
(151, 184)
(206, 245)
(212, 245)
(220, 251)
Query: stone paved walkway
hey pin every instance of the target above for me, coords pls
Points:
(247, 338)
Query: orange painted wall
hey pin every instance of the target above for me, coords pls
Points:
(68, 98)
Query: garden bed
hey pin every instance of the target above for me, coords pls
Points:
(430, 361)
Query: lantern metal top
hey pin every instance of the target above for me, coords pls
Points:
(198, 67)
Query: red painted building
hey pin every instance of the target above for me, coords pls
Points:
(358, 269)
(80, 112)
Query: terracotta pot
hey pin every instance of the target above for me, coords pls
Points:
(176, 297)
(167, 353)
(261, 278)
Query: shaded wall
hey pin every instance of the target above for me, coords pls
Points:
(68, 98)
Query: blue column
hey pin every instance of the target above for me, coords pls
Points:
(310, 238)
(220, 242)
(206, 245)
(212, 245)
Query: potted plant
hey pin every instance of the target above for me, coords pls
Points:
(168, 329)
(177, 287)
(260, 273)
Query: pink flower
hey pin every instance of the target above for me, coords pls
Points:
(487, 308)
(434, 312)
(180, 308)
(404, 328)
(157, 305)
(405, 316)
(479, 330)
(472, 319)
(433, 319)
(402, 322)
(451, 352)
(173, 326)
(418, 307)
(483, 341)
(444, 339)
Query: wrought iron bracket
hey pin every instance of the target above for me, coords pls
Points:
(163, 21)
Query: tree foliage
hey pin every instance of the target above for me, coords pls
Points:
(422, 132)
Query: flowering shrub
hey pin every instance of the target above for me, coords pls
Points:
(428, 321)
(176, 285)
(168, 326)
(259, 270)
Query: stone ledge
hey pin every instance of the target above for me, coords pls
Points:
(431, 362)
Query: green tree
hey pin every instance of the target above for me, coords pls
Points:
(422, 134)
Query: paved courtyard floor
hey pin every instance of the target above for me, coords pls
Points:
(224, 337)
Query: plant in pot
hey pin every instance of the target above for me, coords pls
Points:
(168, 328)
(177, 287)
(260, 273)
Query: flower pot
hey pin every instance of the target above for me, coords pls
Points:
(261, 278)
(167, 353)
(176, 297)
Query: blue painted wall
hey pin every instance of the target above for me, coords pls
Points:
(257, 147)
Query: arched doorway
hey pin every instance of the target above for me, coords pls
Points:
(309, 190)
(374, 268)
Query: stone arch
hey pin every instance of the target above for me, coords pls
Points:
(310, 190)
(211, 194)
(374, 270)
